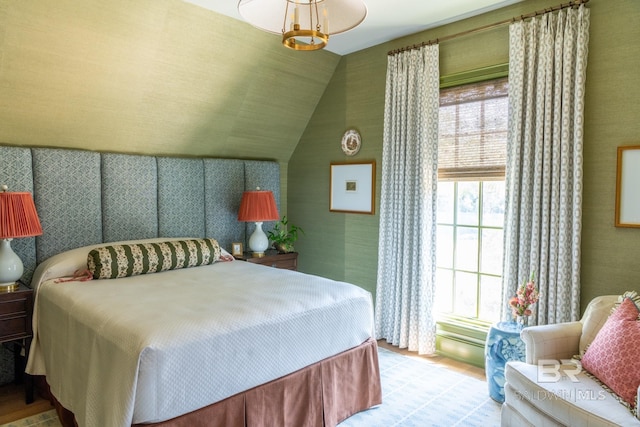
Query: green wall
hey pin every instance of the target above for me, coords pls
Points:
(345, 246)
(161, 77)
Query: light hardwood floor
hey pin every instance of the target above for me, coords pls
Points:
(13, 406)
(464, 368)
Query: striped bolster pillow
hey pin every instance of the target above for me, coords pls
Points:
(114, 261)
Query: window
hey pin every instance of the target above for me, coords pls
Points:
(471, 193)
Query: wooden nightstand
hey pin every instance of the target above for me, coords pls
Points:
(274, 259)
(16, 310)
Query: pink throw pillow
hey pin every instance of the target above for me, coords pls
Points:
(614, 355)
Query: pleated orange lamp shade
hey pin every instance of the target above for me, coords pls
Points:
(258, 206)
(18, 218)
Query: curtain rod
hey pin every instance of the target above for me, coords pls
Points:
(561, 6)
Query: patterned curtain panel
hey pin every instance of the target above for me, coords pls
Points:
(547, 69)
(407, 263)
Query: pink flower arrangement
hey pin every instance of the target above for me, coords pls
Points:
(526, 296)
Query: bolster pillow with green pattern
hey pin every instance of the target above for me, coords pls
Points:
(114, 261)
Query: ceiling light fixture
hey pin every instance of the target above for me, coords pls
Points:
(304, 24)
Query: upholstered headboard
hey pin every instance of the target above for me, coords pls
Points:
(86, 197)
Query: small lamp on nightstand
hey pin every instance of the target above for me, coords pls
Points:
(18, 218)
(258, 206)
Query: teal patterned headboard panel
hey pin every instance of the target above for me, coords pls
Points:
(129, 197)
(224, 181)
(67, 191)
(181, 199)
(86, 197)
(16, 173)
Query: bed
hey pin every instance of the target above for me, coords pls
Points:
(149, 348)
(156, 363)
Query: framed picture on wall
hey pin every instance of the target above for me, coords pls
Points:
(352, 187)
(236, 249)
(627, 189)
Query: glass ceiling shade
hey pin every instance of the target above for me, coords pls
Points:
(310, 21)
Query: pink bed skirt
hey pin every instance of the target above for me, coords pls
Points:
(322, 394)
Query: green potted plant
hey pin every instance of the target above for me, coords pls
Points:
(284, 236)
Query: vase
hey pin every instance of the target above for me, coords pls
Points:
(522, 321)
(283, 248)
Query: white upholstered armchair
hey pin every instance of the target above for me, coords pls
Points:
(570, 398)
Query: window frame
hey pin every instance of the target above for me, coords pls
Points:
(493, 174)
(479, 273)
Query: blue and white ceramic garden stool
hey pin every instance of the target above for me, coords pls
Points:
(503, 344)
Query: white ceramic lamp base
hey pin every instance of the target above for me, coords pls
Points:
(11, 267)
(258, 242)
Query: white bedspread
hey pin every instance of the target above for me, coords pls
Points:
(152, 347)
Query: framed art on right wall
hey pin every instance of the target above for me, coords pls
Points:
(627, 188)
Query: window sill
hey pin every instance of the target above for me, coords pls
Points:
(463, 322)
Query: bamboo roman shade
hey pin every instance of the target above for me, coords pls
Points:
(473, 131)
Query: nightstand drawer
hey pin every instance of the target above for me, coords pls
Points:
(15, 314)
(11, 327)
(287, 261)
(13, 307)
(287, 264)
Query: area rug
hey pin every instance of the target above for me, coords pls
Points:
(415, 392)
(43, 419)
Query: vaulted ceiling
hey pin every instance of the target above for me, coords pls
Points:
(152, 76)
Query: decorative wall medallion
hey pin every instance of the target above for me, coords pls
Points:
(351, 142)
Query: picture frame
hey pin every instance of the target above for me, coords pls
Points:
(237, 249)
(352, 187)
(627, 191)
